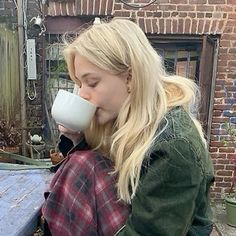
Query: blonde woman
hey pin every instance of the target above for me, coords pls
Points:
(145, 126)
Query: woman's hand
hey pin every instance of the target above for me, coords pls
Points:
(72, 135)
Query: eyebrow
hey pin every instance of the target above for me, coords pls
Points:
(87, 74)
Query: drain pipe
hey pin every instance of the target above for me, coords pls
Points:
(20, 19)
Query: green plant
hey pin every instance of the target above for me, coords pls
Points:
(10, 135)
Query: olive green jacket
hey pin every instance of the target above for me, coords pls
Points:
(172, 197)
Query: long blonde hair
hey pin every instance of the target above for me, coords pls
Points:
(119, 46)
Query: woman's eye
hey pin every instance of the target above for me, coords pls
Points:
(92, 85)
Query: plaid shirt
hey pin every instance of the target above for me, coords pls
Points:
(83, 199)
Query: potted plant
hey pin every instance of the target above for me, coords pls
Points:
(10, 139)
(230, 198)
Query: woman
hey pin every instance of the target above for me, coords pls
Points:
(145, 126)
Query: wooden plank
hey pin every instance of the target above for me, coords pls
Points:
(21, 198)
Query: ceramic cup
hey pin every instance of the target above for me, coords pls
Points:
(72, 111)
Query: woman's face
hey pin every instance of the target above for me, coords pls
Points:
(107, 91)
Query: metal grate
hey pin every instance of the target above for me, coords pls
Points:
(179, 60)
(56, 77)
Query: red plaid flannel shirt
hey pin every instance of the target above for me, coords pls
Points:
(83, 199)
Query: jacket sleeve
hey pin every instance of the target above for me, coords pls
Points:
(164, 203)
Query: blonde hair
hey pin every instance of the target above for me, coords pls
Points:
(119, 46)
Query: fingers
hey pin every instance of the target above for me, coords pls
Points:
(72, 135)
(64, 130)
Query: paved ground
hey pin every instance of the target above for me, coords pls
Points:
(221, 229)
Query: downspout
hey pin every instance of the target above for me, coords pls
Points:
(20, 19)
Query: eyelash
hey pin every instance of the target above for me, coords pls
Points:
(92, 85)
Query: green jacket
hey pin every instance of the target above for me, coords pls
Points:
(172, 197)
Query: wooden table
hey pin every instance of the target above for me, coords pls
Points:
(21, 197)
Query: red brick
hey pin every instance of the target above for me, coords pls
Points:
(227, 149)
(149, 14)
(213, 149)
(232, 63)
(218, 167)
(225, 185)
(218, 179)
(185, 8)
(200, 15)
(96, 7)
(230, 167)
(117, 6)
(141, 13)
(229, 37)
(227, 179)
(204, 8)
(168, 26)
(214, 138)
(187, 26)
(231, 23)
(214, 126)
(218, 155)
(216, 144)
(222, 107)
(231, 156)
(192, 14)
(197, 1)
(141, 23)
(216, 2)
(154, 25)
(222, 63)
(122, 13)
(207, 26)
(223, 161)
(213, 26)
(218, 190)
(228, 30)
(161, 25)
(194, 26)
(233, 2)
(180, 26)
(225, 43)
(167, 7)
(224, 8)
(223, 173)
(220, 120)
(232, 16)
(148, 25)
(200, 26)
(178, 1)
(166, 14)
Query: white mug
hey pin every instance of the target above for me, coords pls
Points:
(72, 111)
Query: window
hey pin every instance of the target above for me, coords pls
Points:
(192, 57)
(55, 78)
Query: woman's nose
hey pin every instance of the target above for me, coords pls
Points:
(84, 93)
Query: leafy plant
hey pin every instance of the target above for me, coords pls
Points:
(10, 135)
